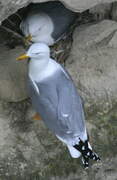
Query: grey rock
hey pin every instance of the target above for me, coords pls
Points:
(23, 142)
(114, 11)
(29, 151)
(9, 7)
(101, 11)
(92, 64)
(13, 74)
(13, 77)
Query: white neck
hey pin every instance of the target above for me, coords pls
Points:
(40, 70)
(36, 67)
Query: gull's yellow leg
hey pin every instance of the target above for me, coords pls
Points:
(37, 117)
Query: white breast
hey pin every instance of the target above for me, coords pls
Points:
(49, 70)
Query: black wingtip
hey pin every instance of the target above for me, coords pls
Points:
(85, 162)
(87, 153)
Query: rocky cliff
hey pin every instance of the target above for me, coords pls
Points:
(27, 149)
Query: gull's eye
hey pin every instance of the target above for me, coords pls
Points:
(39, 28)
(36, 53)
(36, 32)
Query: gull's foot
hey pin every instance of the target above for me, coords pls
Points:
(37, 117)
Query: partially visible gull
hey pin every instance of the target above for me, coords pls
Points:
(56, 99)
(47, 22)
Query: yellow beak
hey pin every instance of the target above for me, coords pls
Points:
(28, 38)
(22, 57)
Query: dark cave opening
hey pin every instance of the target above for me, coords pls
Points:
(11, 35)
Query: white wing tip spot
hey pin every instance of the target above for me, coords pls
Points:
(65, 115)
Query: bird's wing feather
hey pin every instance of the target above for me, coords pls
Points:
(70, 110)
(68, 115)
(34, 85)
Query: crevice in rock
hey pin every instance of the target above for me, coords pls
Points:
(12, 35)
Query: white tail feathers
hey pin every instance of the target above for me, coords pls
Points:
(74, 153)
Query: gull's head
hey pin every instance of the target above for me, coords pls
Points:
(39, 25)
(37, 51)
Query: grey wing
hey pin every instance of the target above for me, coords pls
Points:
(65, 102)
(33, 92)
(70, 110)
(44, 100)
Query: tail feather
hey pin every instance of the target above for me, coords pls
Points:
(85, 149)
(74, 152)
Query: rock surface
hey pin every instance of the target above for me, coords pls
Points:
(13, 74)
(114, 11)
(93, 65)
(29, 151)
(13, 86)
(101, 11)
(8, 7)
